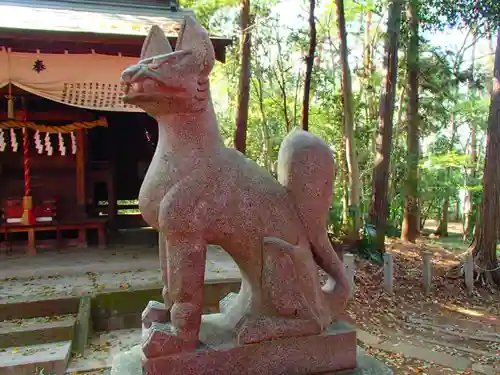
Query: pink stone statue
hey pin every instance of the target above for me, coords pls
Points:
(199, 192)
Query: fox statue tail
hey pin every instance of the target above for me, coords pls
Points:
(306, 169)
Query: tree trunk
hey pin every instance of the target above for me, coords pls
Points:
(367, 83)
(309, 66)
(379, 209)
(350, 144)
(240, 136)
(344, 176)
(485, 239)
(266, 144)
(442, 229)
(410, 227)
(469, 206)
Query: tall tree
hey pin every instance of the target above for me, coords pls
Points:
(485, 238)
(442, 229)
(469, 206)
(379, 206)
(348, 114)
(411, 226)
(309, 65)
(240, 136)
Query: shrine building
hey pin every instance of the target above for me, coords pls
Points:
(72, 154)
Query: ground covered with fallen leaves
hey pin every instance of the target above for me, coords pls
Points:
(447, 319)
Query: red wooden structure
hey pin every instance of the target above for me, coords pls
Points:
(102, 155)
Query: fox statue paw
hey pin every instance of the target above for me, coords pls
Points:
(162, 341)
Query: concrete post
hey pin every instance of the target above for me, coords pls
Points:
(349, 270)
(427, 271)
(469, 273)
(388, 273)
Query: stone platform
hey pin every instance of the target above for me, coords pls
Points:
(129, 363)
(332, 352)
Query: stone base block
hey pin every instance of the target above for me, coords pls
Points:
(331, 351)
(129, 363)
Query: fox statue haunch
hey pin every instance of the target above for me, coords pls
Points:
(199, 192)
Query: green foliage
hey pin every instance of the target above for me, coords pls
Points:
(206, 11)
(367, 247)
(447, 88)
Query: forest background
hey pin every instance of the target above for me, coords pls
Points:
(406, 92)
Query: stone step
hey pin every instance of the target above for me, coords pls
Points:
(28, 360)
(101, 350)
(41, 330)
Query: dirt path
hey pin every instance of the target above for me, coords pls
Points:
(446, 321)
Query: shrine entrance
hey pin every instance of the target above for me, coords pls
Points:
(64, 140)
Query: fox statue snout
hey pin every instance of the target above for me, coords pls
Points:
(164, 81)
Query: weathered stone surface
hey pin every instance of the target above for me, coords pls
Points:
(274, 327)
(162, 341)
(333, 350)
(122, 309)
(226, 302)
(367, 365)
(52, 358)
(199, 192)
(155, 312)
(129, 363)
(83, 327)
(38, 308)
(36, 331)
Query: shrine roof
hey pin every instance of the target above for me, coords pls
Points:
(110, 17)
(107, 26)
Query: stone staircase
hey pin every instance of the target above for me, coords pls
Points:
(69, 334)
(28, 346)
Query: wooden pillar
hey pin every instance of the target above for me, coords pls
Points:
(112, 198)
(81, 156)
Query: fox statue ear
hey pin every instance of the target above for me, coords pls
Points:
(156, 43)
(194, 37)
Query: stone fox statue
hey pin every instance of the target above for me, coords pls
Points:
(197, 192)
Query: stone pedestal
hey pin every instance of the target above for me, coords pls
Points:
(130, 363)
(333, 350)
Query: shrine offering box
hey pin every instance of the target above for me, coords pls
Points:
(45, 212)
(13, 210)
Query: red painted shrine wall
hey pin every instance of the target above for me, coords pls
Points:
(52, 177)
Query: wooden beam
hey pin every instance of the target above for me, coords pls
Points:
(50, 41)
(56, 115)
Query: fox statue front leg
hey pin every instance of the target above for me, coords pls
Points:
(157, 312)
(186, 257)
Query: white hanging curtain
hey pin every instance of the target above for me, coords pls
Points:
(4, 68)
(89, 81)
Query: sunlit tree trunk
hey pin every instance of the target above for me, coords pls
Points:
(469, 205)
(442, 229)
(368, 86)
(379, 209)
(485, 238)
(344, 180)
(266, 144)
(309, 66)
(411, 225)
(348, 106)
(240, 136)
